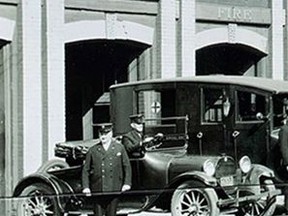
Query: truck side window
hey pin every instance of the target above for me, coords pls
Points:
(159, 109)
(149, 104)
(213, 104)
(248, 105)
(280, 107)
(156, 104)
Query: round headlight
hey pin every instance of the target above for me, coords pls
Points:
(209, 168)
(245, 164)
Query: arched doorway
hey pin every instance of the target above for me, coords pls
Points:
(232, 50)
(228, 59)
(91, 67)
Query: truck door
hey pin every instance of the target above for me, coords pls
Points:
(253, 132)
(214, 122)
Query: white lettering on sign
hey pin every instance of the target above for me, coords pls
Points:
(235, 14)
(155, 107)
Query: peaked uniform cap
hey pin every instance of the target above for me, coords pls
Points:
(104, 127)
(137, 118)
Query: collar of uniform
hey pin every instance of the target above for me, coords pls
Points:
(100, 144)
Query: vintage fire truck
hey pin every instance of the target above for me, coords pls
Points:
(215, 156)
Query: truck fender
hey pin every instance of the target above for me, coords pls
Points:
(52, 164)
(44, 178)
(195, 175)
(259, 171)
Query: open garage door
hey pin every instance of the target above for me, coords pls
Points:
(91, 67)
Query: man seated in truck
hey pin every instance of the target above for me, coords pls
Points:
(132, 140)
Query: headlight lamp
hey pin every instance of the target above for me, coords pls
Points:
(209, 168)
(245, 164)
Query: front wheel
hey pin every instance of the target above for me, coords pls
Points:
(258, 206)
(191, 198)
(37, 199)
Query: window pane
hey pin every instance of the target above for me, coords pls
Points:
(159, 109)
(249, 104)
(149, 104)
(213, 103)
(280, 106)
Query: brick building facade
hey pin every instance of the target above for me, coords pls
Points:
(58, 57)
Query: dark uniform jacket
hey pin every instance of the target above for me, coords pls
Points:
(283, 141)
(131, 141)
(105, 171)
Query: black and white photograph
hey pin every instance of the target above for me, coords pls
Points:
(143, 107)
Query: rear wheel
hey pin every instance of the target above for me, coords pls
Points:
(190, 198)
(38, 200)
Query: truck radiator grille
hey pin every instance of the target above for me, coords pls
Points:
(225, 167)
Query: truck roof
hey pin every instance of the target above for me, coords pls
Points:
(267, 84)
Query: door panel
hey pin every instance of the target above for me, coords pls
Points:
(215, 109)
(253, 132)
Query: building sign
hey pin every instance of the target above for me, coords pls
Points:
(235, 14)
(225, 13)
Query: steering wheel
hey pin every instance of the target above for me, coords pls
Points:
(151, 143)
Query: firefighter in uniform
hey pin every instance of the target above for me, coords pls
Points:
(106, 169)
(133, 139)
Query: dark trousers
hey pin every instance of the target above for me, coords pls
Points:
(106, 206)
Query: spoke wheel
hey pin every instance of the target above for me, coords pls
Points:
(190, 200)
(37, 200)
(253, 209)
(257, 207)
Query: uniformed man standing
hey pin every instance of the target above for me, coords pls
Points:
(106, 169)
(132, 140)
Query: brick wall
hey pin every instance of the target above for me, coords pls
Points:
(186, 40)
(31, 62)
(277, 40)
(53, 76)
(166, 38)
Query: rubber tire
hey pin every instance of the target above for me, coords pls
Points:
(52, 164)
(208, 193)
(269, 186)
(44, 189)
